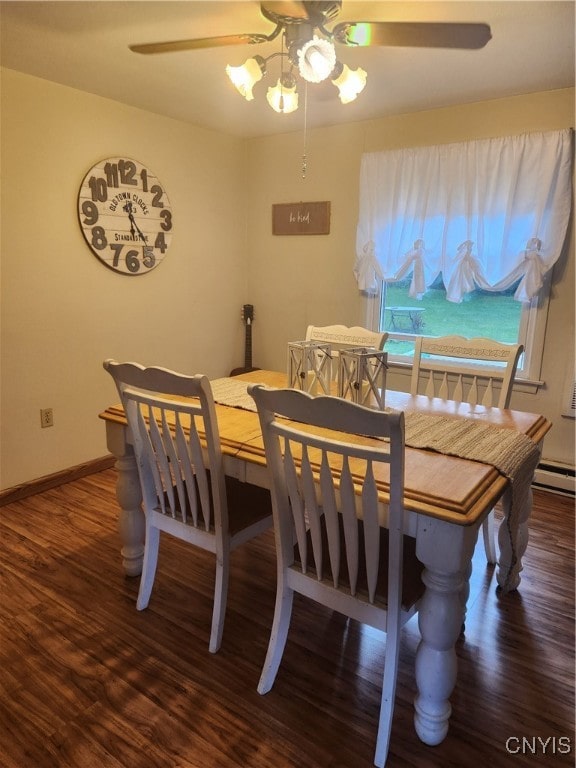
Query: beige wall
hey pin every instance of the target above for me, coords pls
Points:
(63, 312)
(296, 280)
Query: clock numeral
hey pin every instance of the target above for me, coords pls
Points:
(148, 256)
(111, 171)
(144, 177)
(90, 212)
(98, 189)
(166, 217)
(160, 242)
(99, 238)
(127, 172)
(157, 191)
(116, 249)
(132, 263)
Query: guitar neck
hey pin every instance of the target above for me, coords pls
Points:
(248, 345)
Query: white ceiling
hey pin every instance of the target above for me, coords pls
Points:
(85, 45)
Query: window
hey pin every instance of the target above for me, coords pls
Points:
(461, 238)
(482, 313)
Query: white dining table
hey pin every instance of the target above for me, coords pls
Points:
(446, 499)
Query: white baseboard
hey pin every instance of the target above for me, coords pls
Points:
(555, 477)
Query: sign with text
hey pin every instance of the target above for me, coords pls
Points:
(301, 218)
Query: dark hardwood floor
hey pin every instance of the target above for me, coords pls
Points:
(86, 681)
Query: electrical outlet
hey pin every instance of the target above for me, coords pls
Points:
(46, 417)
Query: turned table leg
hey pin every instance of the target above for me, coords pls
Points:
(446, 555)
(129, 497)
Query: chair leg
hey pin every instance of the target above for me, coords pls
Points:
(148, 567)
(220, 599)
(388, 695)
(489, 534)
(278, 635)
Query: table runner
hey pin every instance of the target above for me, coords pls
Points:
(512, 453)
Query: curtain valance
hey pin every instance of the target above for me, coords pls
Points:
(487, 214)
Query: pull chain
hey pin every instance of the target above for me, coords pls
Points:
(304, 162)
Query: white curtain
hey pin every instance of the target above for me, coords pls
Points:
(483, 214)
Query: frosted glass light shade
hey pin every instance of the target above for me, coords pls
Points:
(316, 59)
(244, 78)
(350, 83)
(283, 98)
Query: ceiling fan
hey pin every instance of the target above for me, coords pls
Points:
(300, 19)
(309, 46)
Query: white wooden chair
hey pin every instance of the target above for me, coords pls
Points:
(478, 371)
(325, 499)
(184, 489)
(343, 337)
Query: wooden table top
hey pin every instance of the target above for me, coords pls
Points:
(441, 486)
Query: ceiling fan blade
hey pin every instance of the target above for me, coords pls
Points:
(201, 42)
(412, 34)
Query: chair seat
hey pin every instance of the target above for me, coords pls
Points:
(412, 584)
(247, 504)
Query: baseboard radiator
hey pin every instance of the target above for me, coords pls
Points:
(552, 476)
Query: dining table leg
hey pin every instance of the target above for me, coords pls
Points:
(129, 495)
(446, 551)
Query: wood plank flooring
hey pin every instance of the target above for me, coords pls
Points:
(86, 681)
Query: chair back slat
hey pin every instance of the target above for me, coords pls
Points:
(174, 467)
(328, 495)
(488, 398)
(475, 371)
(312, 513)
(459, 388)
(349, 524)
(296, 503)
(189, 476)
(371, 530)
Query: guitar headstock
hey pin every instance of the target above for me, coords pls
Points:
(248, 313)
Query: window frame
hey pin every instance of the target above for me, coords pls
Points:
(531, 332)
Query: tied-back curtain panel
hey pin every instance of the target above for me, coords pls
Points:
(484, 214)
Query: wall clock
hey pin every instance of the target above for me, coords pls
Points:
(125, 215)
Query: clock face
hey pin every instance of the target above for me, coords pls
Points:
(125, 215)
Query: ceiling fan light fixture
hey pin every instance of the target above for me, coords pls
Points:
(350, 82)
(316, 59)
(283, 97)
(245, 77)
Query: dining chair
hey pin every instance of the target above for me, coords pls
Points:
(185, 492)
(478, 371)
(343, 337)
(336, 542)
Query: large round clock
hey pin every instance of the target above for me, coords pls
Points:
(125, 215)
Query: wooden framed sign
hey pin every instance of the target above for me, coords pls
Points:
(301, 218)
